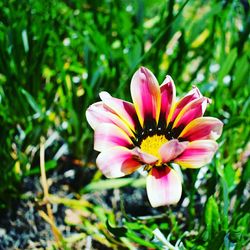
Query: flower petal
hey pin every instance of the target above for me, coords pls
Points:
(94, 115)
(145, 93)
(145, 157)
(202, 128)
(190, 96)
(171, 149)
(109, 135)
(168, 93)
(124, 110)
(191, 111)
(117, 162)
(163, 186)
(197, 154)
(97, 114)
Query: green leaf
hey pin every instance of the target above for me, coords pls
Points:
(241, 72)
(138, 239)
(227, 65)
(229, 174)
(212, 217)
(129, 234)
(32, 102)
(225, 203)
(217, 241)
(48, 166)
(112, 183)
(106, 184)
(25, 41)
(117, 231)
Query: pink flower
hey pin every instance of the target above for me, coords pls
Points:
(153, 131)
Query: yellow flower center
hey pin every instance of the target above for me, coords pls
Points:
(152, 144)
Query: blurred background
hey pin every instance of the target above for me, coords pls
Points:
(55, 58)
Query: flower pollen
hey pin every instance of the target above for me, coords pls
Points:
(152, 144)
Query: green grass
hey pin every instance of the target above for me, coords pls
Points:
(55, 58)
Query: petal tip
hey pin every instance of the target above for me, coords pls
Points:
(104, 95)
(163, 187)
(169, 78)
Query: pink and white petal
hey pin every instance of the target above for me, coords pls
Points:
(171, 149)
(97, 114)
(163, 186)
(125, 110)
(168, 93)
(108, 135)
(191, 111)
(145, 158)
(197, 154)
(189, 97)
(94, 115)
(202, 128)
(117, 162)
(145, 93)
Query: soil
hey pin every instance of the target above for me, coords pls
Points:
(21, 226)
